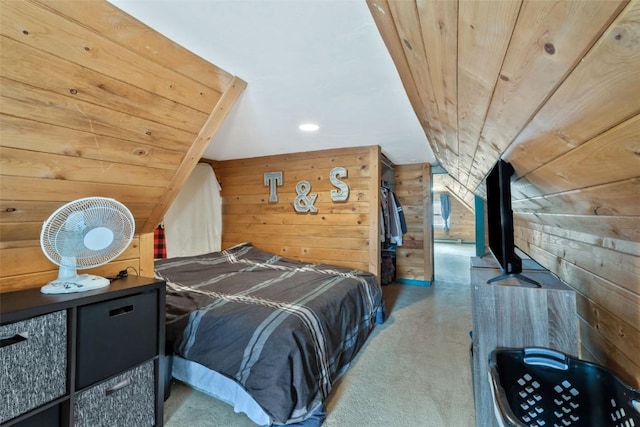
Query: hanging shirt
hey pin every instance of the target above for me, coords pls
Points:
(381, 228)
(385, 214)
(394, 219)
(403, 223)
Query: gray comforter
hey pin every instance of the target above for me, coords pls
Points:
(284, 330)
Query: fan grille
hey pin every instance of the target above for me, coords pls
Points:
(87, 232)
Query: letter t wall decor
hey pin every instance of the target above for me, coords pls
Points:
(273, 179)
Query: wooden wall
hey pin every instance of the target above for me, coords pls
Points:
(462, 223)
(414, 260)
(462, 227)
(552, 87)
(340, 233)
(94, 103)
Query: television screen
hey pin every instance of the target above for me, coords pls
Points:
(500, 218)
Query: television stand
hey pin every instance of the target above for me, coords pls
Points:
(519, 276)
(516, 316)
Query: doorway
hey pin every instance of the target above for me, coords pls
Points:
(454, 230)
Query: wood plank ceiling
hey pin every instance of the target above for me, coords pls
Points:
(94, 103)
(553, 87)
(121, 111)
(529, 80)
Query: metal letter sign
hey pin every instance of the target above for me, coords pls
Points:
(302, 203)
(273, 179)
(342, 192)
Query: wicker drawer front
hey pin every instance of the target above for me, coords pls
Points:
(126, 400)
(33, 363)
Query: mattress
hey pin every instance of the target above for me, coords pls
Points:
(282, 330)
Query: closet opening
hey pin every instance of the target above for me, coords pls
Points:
(388, 244)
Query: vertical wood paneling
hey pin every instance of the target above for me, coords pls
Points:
(340, 233)
(146, 254)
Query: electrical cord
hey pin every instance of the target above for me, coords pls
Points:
(123, 273)
(133, 268)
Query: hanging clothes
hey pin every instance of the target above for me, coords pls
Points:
(445, 210)
(384, 205)
(381, 228)
(403, 223)
(393, 219)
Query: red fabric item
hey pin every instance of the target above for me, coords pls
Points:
(159, 243)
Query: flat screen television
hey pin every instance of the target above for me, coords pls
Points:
(500, 222)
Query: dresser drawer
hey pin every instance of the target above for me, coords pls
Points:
(47, 418)
(33, 363)
(125, 400)
(115, 335)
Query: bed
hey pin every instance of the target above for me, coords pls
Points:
(266, 334)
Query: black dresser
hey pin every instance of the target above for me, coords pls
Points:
(86, 359)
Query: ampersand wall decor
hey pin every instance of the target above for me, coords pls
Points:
(302, 203)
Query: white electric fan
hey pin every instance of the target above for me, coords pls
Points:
(81, 234)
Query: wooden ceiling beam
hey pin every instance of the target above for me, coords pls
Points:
(194, 154)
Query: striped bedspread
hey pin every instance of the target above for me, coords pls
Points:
(282, 329)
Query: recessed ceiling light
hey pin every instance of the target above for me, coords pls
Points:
(309, 127)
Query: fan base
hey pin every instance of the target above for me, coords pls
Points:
(80, 283)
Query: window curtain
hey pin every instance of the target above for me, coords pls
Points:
(193, 223)
(445, 209)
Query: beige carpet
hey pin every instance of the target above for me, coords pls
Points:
(414, 370)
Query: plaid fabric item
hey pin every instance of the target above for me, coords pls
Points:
(159, 243)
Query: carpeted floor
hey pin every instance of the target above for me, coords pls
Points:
(414, 370)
